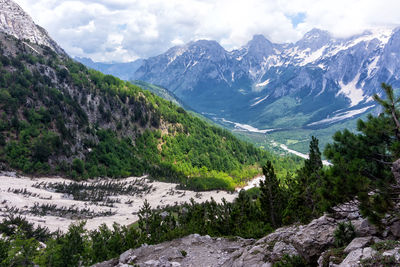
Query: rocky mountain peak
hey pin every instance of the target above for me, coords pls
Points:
(314, 39)
(260, 45)
(205, 45)
(15, 21)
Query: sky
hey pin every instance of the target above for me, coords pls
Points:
(125, 30)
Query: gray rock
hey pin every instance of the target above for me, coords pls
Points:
(152, 263)
(392, 253)
(395, 228)
(355, 256)
(368, 253)
(109, 263)
(127, 256)
(396, 171)
(15, 21)
(364, 228)
(353, 259)
(282, 248)
(359, 242)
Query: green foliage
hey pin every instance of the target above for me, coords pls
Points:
(183, 253)
(380, 260)
(344, 234)
(291, 261)
(303, 189)
(385, 245)
(362, 164)
(78, 166)
(210, 183)
(21, 251)
(272, 197)
(335, 255)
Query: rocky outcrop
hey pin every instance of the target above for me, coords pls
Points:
(15, 21)
(313, 242)
(192, 250)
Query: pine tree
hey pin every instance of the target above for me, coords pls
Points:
(314, 163)
(389, 106)
(303, 195)
(271, 196)
(362, 162)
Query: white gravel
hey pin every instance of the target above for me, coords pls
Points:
(163, 194)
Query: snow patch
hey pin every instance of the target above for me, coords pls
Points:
(341, 116)
(259, 101)
(246, 127)
(314, 56)
(264, 83)
(350, 90)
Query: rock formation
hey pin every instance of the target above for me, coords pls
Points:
(15, 21)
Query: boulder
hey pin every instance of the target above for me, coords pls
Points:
(392, 253)
(395, 229)
(354, 257)
(364, 228)
(359, 242)
(313, 239)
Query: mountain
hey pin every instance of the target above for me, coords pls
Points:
(15, 21)
(123, 71)
(311, 84)
(59, 117)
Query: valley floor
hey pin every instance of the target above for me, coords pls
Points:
(37, 200)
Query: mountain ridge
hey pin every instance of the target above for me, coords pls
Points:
(341, 73)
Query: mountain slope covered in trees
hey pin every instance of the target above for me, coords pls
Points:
(58, 117)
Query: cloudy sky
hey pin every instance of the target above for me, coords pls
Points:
(124, 30)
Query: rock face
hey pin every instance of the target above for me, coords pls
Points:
(15, 21)
(313, 242)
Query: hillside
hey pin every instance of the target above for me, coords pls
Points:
(161, 92)
(58, 117)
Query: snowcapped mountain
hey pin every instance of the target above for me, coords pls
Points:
(15, 21)
(314, 82)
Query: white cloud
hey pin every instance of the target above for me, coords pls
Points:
(123, 30)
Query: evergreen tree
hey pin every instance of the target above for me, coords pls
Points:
(362, 162)
(389, 106)
(271, 196)
(303, 196)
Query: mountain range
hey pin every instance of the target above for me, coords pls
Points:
(318, 83)
(314, 82)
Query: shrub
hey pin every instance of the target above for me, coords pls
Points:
(78, 165)
(290, 261)
(344, 233)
